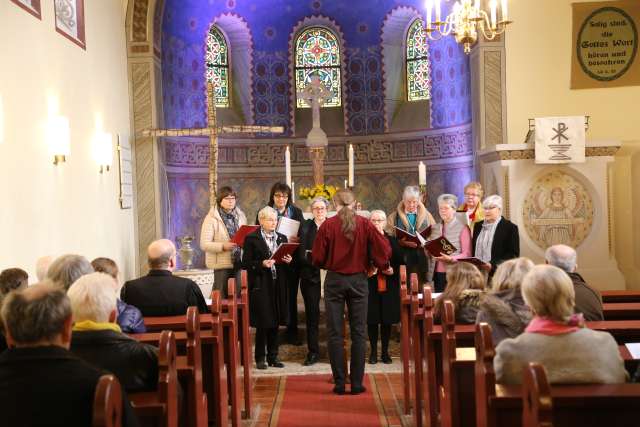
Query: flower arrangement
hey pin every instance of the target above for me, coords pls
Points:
(319, 190)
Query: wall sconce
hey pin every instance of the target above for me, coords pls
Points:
(103, 152)
(58, 135)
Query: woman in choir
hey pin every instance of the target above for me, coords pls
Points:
(471, 211)
(281, 200)
(557, 338)
(503, 308)
(384, 296)
(267, 287)
(495, 239)
(413, 217)
(465, 288)
(455, 232)
(219, 226)
(310, 282)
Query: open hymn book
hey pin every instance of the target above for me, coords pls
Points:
(419, 239)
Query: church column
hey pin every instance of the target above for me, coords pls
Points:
(146, 106)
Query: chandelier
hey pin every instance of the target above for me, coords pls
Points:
(466, 19)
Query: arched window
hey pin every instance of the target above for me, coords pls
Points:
(418, 68)
(318, 53)
(217, 64)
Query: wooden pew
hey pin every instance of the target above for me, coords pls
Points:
(621, 311)
(232, 358)
(537, 404)
(429, 374)
(405, 316)
(162, 404)
(190, 369)
(620, 296)
(107, 403)
(573, 405)
(416, 335)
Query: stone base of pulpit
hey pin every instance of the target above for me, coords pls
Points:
(551, 204)
(203, 277)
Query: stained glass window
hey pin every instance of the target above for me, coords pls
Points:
(217, 65)
(318, 54)
(418, 68)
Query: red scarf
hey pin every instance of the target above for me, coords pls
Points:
(546, 326)
(472, 217)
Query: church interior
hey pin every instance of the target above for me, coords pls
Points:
(110, 111)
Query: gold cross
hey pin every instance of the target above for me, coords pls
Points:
(212, 131)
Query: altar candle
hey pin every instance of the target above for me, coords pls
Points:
(293, 192)
(351, 165)
(345, 183)
(504, 11)
(287, 166)
(493, 4)
(422, 174)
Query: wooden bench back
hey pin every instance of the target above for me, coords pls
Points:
(168, 377)
(107, 403)
(537, 405)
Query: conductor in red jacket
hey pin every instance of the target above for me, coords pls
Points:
(345, 245)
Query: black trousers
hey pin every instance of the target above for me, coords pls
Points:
(293, 283)
(385, 334)
(311, 296)
(266, 337)
(220, 281)
(420, 271)
(353, 290)
(439, 281)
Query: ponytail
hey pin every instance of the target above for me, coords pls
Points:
(346, 199)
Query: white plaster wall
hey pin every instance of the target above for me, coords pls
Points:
(70, 208)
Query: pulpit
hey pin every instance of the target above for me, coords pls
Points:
(203, 277)
(551, 204)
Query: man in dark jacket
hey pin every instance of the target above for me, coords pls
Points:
(41, 382)
(588, 300)
(97, 338)
(160, 293)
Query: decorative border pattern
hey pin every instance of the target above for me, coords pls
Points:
(71, 11)
(529, 153)
(35, 9)
(139, 21)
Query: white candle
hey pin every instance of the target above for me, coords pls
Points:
(504, 11)
(493, 4)
(422, 174)
(351, 165)
(287, 166)
(345, 183)
(429, 13)
(438, 11)
(293, 192)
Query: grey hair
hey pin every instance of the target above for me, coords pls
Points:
(493, 200)
(562, 256)
(411, 192)
(510, 273)
(449, 199)
(267, 211)
(93, 297)
(66, 269)
(37, 313)
(319, 199)
(42, 266)
(379, 212)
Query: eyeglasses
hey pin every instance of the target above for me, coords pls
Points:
(319, 208)
(471, 195)
(229, 198)
(378, 220)
(280, 196)
(488, 208)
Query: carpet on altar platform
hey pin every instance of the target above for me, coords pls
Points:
(308, 400)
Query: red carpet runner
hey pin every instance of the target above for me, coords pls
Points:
(309, 401)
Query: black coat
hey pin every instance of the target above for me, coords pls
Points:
(49, 386)
(134, 363)
(267, 297)
(309, 273)
(384, 307)
(160, 293)
(505, 245)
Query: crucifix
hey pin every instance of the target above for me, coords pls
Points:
(212, 130)
(314, 95)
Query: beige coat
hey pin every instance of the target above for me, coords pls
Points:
(213, 235)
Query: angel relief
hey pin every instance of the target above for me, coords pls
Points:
(557, 210)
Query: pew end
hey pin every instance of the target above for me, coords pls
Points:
(107, 403)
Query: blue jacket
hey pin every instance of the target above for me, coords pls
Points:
(130, 319)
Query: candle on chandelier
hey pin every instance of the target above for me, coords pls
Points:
(351, 165)
(504, 11)
(493, 4)
(429, 13)
(287, 166)
(422, 174)
(438, 14)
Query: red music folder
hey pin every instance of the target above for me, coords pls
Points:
(282, 250)
(242, 232)
(419, 239)
(439, 246)
(472, 260)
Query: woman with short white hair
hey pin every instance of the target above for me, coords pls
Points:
(556, 338)
(495, 239)
(413, 217)
(267, 287)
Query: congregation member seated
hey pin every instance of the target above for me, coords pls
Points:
(11, 279)
(471, 210)
(42, 266)
(41, 382)
(267, 283)
(588, 300)
(219, 226)
(310, 281)
(160, 293)
(128, 317)
(503, 308)
(556, 338)
(413, 217)
(66, 269)
(495, 239)
(383, 308)
(455, 232)
(465, 288)
(98, 339)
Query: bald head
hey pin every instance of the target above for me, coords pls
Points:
(563, 257)
(161, 255)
